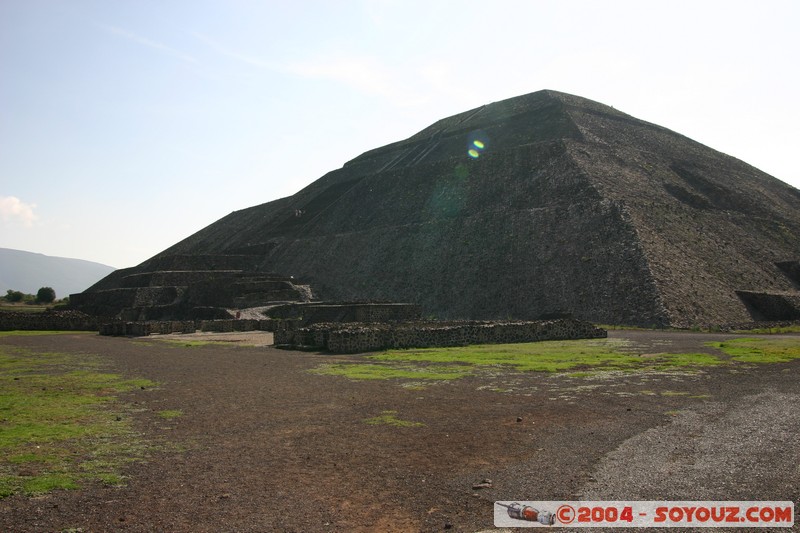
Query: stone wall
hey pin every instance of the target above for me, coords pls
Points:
(312, 313)
(141, 329)
(148, 327)
(48, 321)
(362, 337)
(236, 325)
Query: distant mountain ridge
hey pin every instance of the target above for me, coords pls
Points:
(28, 272)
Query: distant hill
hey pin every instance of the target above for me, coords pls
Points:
(28, 272)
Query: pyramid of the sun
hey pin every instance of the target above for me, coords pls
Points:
(544, 203)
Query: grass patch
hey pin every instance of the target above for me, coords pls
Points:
(24, 308)
(666, 361)
(578, 358)
(61, 423)
(49, 482)
(198, 343)
(387, 371)
(388, 418)
(760, 350)
(770, 331)
(547, 356)
(38, 333)
(169, 414)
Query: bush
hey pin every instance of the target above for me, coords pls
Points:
(46, 295)
(14, 296)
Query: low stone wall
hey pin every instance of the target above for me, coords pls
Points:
(149, 327)
(48, 321)
(312, 313)
(238, 325)
(142, 329)
(362, 337)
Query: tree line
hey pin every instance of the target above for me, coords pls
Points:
(45, 295)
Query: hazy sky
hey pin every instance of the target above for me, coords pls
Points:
(128, 125)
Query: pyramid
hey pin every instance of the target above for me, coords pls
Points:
(539, 205)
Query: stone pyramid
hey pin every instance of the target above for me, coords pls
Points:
(538, 205)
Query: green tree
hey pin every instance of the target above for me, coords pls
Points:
(14, 296)
(46, 295)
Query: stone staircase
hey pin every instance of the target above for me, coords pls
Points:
(188, 287)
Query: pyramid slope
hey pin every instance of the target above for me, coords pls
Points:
(709, 224)
(571, 206)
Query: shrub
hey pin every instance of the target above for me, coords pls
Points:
(14, 296)
(46, 295)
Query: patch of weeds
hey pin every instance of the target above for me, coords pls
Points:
(169, 414)
(60, 422)
(388, 418)
(546, 356)
(760, 350)
(112, 479)
(36, 333)
(48, 482)
(770, 331)
(576, 358)
(198, 343)
(385, 371)
(674, 393)
(667, 361)
(26, 458)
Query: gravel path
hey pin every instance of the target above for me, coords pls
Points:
(264, 445)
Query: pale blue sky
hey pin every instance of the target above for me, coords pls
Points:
(126, 126)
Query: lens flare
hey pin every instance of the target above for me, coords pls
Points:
(477, 143)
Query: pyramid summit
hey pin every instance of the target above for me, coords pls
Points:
(542, 204)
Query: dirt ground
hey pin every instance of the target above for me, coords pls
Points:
(264, 445)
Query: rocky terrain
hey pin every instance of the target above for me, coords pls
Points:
(265, 444)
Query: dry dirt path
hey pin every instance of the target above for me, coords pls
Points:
(264, 445)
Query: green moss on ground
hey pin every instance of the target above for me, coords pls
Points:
(393, 371)
(169, 414)
(389, 418)
(61, 423)
(760, 350)
(770, 331)
(576, 358)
